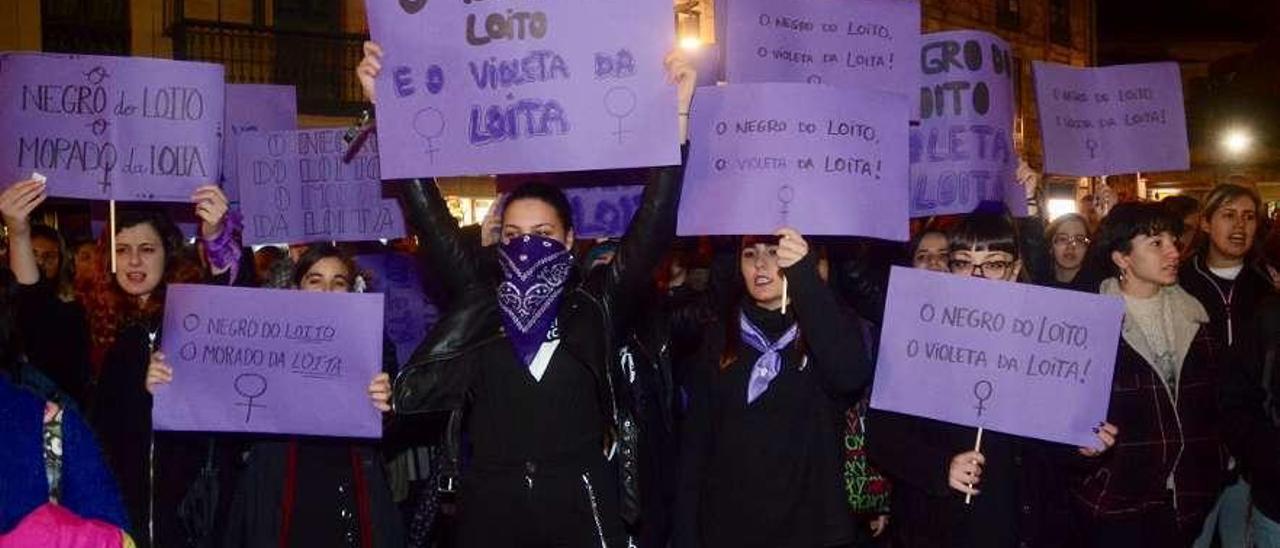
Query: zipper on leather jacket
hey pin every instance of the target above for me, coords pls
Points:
(595, 509)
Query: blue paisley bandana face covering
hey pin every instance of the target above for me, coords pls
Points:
(535, 270)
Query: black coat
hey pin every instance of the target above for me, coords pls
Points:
(1250, 399)
(55, 337)
(1231, 304)
(595, 314)
(1023, 499)
(769, 473)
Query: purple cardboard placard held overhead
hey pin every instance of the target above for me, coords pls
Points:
(409, 311)
(296, 187)
(1014, 358)
(1112, 120)
(822, 160)
(253, 108)
(471, 88)
(962, 152)
(604, 211)
(111, 128)
(869, 44)
(270, 361)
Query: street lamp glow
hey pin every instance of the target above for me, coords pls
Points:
(1237, 141)
(690, 43)
(1060, 206)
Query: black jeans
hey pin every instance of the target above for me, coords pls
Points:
(571, 507)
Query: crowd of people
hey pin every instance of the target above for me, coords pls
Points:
(648, 391)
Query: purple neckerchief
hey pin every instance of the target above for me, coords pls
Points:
(769, 363)
(535, 271)
(223, 249)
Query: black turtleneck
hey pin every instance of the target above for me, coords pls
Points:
(768, 473)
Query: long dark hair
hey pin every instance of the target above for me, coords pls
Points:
(62, 283)
(317, 253)
(548, 194)
(732, 329)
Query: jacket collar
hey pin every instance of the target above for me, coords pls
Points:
(1186, 314)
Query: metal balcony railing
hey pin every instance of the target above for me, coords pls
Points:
(320, 65)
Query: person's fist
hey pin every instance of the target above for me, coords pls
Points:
(380, 392)
(791, 247)
(966, 472)
(18, 201)
(158, 372)
(368, 69)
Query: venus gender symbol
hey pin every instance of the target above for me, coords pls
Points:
(982, 390)
(429, 124)
(786, 195)
(620, 102)
(251, 386)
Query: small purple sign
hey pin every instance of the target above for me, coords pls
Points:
(870, 44)
(111, 128)
(822, 160)
(962, 152)
(470, 88)
(270, 361)
(1015, 358)
(409, 312)
(253, 108)
(603, 212)
(1112, 120)
(296, 187)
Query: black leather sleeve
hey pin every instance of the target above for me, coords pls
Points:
(448, 255)
(650, 235)
(439, 374)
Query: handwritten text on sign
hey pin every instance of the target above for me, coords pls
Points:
(1014, 358)
(124, 128)
(253, 108)
(523, 86)
(850, 43)
(603, 212)
(295, 187)
(270, 361)
(409, 312)
(962, 152)
(813, 157)
(1111, 120)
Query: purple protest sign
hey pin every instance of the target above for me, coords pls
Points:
(870, 44)
(111, 128)
(962, 152)
(603, 212)
(471, 88)
(819, 159)
(183, 215)
(1111, 120)
(253, 108)
(1014, 358)
(409, 312)
(295, 187)
(270, 361)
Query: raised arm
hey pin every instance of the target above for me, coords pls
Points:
(831, 336)
(449, 256)
(16, 203)
(653, 228)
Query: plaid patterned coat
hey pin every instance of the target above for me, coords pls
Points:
(1169, 452)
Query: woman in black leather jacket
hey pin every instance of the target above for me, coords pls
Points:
(525, 349)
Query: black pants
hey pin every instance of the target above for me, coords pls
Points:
(1153, 528)
(573, 507)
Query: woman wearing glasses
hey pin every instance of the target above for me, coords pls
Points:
(1068, 238)
(1017, 485)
